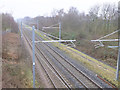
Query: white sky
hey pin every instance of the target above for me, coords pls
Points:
(32, 8)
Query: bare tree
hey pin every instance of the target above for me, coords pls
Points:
(94, 11)
(109, 12)
(9, 23)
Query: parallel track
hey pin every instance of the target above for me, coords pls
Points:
(81, 77)
(86, 85)
(51, 67)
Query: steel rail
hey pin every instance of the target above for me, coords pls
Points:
(74, 66)
(64, 67)
(59, 76)
(78, 70)
(40, 62)
(69, 71)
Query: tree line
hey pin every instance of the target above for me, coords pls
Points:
(99, 21)
(8, 22)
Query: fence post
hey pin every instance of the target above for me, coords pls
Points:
(33, 47)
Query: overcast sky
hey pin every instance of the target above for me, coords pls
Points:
(32, 8)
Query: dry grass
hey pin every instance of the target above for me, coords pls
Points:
(16, 72)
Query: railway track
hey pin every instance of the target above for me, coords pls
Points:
(107, 83)
(46, 51)
(84, 79)
(80, 54)
(56, 79)
(80, 86)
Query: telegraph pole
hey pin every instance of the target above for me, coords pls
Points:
(21, 29)
(33, 47)
(59, 30)
(37, 25)
(118, 61)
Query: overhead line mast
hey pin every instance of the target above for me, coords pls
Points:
(118, 40)
(118, 61)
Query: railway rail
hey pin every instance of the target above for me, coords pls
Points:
(47, 52)
(54, 77)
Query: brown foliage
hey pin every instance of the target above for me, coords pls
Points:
(8, 22)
